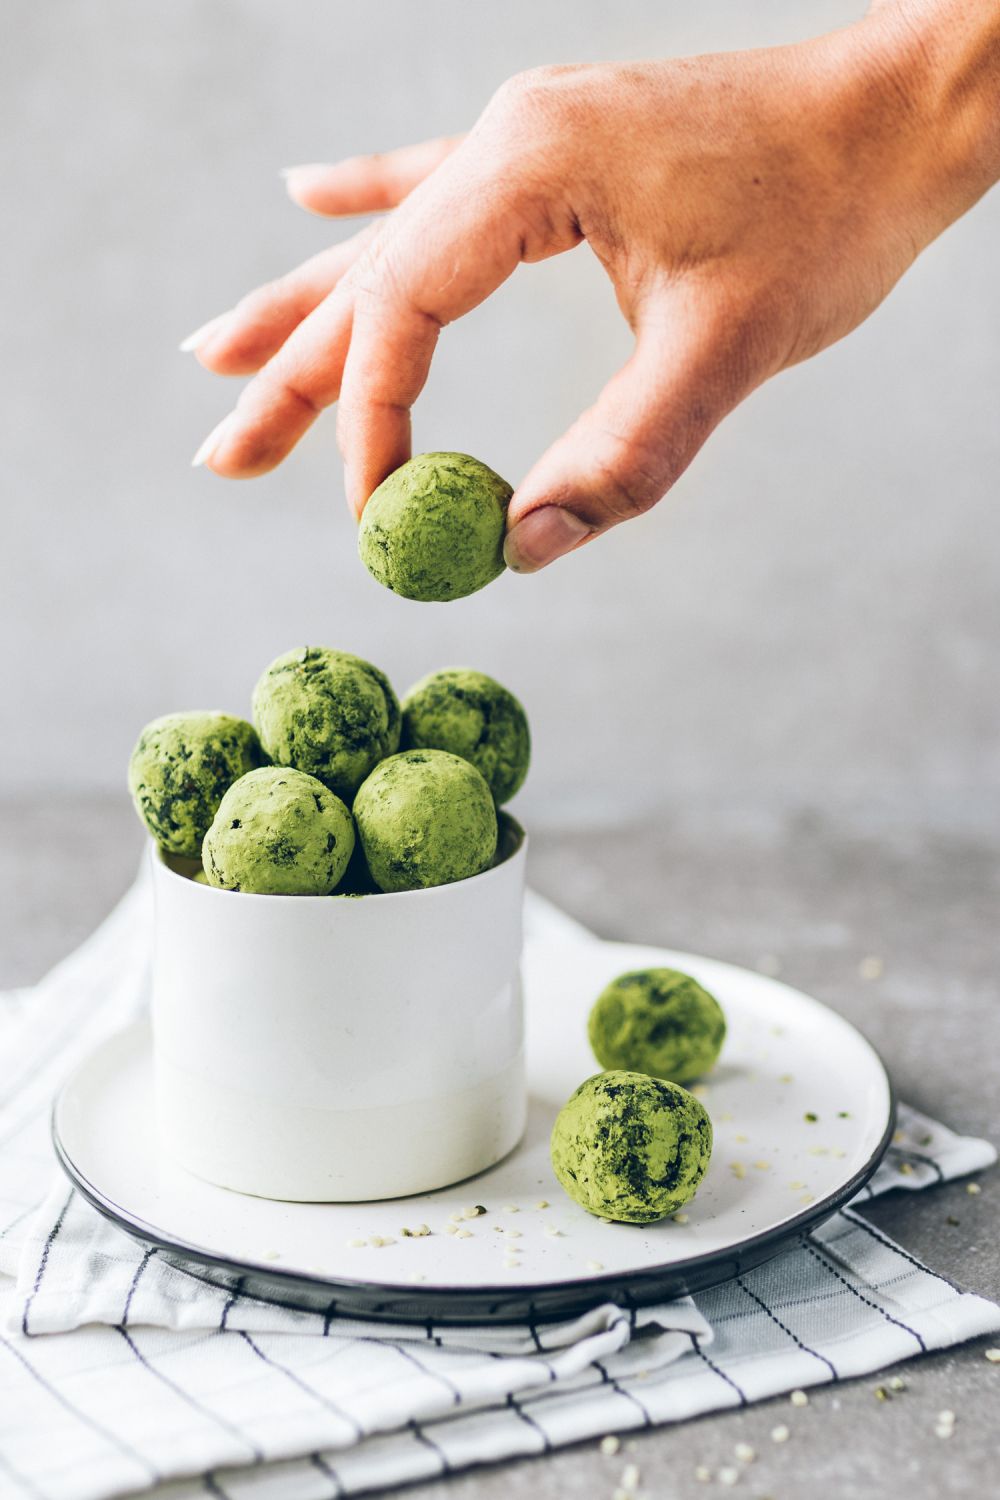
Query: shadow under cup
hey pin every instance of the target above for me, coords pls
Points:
(338, 1049)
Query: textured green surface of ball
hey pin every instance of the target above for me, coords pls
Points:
(472, 716)
(279, 832)
(657, 1021)
(327, 713)
(425, 818)
(630, 1147)
(180, 770)
(434, 529)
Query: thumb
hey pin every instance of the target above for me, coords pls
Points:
(691, 365)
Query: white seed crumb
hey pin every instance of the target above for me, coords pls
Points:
(700, 1090)
(594, 1265)
(799, 1398)
(762, 1166)
(457, 1217)
(739, 1137)
(870, 968)
(836, 1151)
(387, 1239)
(355, 1244)
(816, 1150)
(786, 1078)
(795, 1186)
(738, 1168)
(898, 1135)
(510, 1208)
(510, 1262)
(512, 1234)
(896, 1383)
(271, 1255)
(630, 1477)
(993, 1355)
(744, 1453)
(417, 1276)
(680, 1218)
(906, 1168)
(944, 1430)
(807, 1198)
(422, 1229)
(550, 1230)
(946, 1418)
(316, 1270)
(375, 1240)
(610, 1444)
(780, 1434)
(726, 1116)
(728, 1476)
(463, 1234)
(451, 1228)
(470, 1210)
(542, 1203)
(973, 1187)
(702, 1474)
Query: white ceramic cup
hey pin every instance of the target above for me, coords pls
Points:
(330, 1049)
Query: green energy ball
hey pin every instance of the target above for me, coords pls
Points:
(279, 832)
(470, 715)
(657, 1021)
(630, 1147)
(327, 713)
(425, 818)
(434, 529)
(180, 770)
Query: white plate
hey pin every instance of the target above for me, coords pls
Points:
(800, 1104)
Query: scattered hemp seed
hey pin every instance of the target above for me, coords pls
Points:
(457, 1217)
(417, 1276)
(738, 1168)
(594, 1265)
(786, 1078)
(836, 1151)
(870, 968)
(744, 1453)
(511, 1208)
(726, 1116)
(896, 1383)
(630, 1477)
(739, 1137)
(355, 1244)
(421, 1230)
(973, 1187)
(475, 1212)
(762, 1166)
(796, 1186)
(807, 1198)
(680, 1218)
(906, 1168)
(810, 1117)
(542, 1203)
(511, 1263)
(816, 1150)
(700, 1090)
(271, 1255)
(728, 1476)
(881, 1394)
(610, 1444)
(799, 1398)
(993, 1355)
(702, 1474)
(406, 1234)
(550, 1230)
(780, 1434)
(509, 1234)
(316, 1270)
(463, 1234)
(952, 1220)
(898, 1136)
(451, 1228)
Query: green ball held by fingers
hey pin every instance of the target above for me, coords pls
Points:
(278, 832)
(327, 713)
(180, 770)
(434, 529)
(425, 818)
(657, 1021)
(468, 714)
(630, 1147)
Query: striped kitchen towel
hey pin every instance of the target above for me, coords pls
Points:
(122, 1374)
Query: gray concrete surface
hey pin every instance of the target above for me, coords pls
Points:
(811, 615)
(811, 896)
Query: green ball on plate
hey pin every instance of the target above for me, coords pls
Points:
(629, 1147)
(657, 1021)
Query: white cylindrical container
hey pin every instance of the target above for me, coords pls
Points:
(338, 1049)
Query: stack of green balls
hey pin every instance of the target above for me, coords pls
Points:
(318, 799)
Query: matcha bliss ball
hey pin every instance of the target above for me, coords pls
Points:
(434, 529)
(629, 1147)
(278, 832)
(657, 1021)
(425, 818)
(470, 715)
(180, 770)
(327, 713)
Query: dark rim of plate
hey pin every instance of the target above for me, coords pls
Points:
(453, 1306)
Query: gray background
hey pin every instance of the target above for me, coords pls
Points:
(809, 618)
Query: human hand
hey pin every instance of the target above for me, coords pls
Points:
(749, 209)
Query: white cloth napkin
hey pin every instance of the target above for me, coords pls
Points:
(123, 1374)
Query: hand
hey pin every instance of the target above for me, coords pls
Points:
(750, 209)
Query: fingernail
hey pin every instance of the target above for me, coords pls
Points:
(354, 498)
(210, 444)
(201, 335)
(541, 537)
